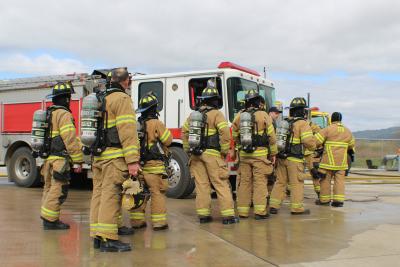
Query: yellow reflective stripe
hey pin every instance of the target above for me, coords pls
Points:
(50, 212)
(271, 130)
(275, 201)
(212, 152)
(67, 128)
(154, 170)
(225, 146)
(235, 134)
(54, 157)
(111, 123)
(325, 197)
(256, 153)
(203, 212)
(296, 205)
(330, 155)
(211, 131)
(110, 154)
(137, 215)
(338, 144)
(317, 188)
(295, 141)
(260, 207)
(129, 150)
(319, 137)
(158, 217)
(352, 142)
(125, 118)
(293, 159)
(274, 149)
(338, 197)
(93, 227)
(186, 126)
(55, 133)
(165, 136)
(244, 209)
(332, 167)
(228, 212)
(222, 125)
(306, 134)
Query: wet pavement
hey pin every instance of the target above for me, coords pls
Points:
(366, 232)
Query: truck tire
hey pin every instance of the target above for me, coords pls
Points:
(181, 184)
(22, 168)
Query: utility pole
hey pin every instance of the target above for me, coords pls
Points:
(265, 72)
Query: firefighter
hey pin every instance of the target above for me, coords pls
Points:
(274, 113)
(290, 163)
(65, 152)
(254, 135)
(336, 140)
(154, 141)
(118, 160)
(206, 137)
(312, 160)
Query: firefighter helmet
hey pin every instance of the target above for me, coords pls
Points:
(210, 91)
(62, 88)
(134, 195)
(146, 102)
(251, 94)
(298, 102)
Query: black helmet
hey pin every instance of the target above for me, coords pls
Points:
(62, 88)
(251, 94)
(210, 91)
(298, 102)
(146, 102)
(336, 116)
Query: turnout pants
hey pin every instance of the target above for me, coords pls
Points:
(211, 170)
(254, 173)
(157, 186)
(338, 186)
(289, 172)
(310, 160)
(108, 176)
(55, 190)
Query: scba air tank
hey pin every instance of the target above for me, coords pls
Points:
(195, 126)
(246, 130)
(89, 119)
(282, 133)
(39, 126)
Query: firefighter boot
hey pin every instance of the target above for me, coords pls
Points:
(319, 203)
(305, 212)
(125, 231)
(140, 226)
(261, 217)
(273, 211)
(56, 225)
(96, 242)
(337, 204)
(230, 220)
(160, 228)
(206, 219)
(109, 245)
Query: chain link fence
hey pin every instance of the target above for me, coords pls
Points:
(373, 153)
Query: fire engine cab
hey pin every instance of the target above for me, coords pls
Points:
(177, 94)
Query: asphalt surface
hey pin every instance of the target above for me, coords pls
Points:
(366, 232)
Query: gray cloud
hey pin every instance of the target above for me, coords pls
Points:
(301, 37)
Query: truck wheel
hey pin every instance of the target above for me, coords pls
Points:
(22, 168)
(180, 183)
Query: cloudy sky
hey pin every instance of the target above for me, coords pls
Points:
(345, 53)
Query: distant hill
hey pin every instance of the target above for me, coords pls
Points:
(389, 133)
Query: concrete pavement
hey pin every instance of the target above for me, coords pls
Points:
(363, 233)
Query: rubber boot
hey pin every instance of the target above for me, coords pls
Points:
(57, 225)
(230, 220)
(318, 202)
(109, 245)
(96, 243)
(337, 204)
(143, 225)
(305, 212)
(160, 228)
(125, 231)
(273, 211)
(206, 219)
(261, 217)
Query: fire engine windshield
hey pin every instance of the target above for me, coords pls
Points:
(237, 88)
(321, 121)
